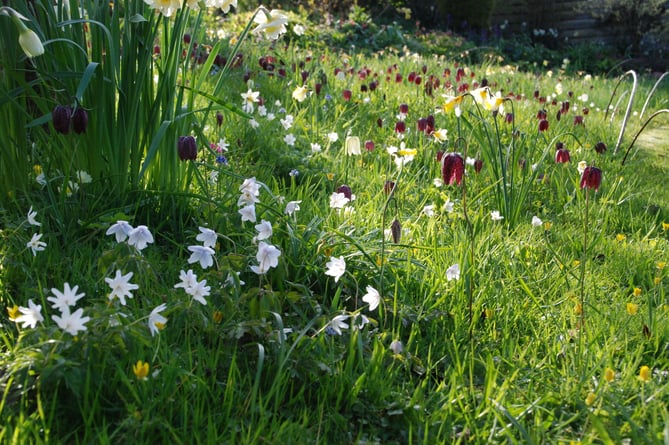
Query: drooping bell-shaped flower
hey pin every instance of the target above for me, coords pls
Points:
(600, 147)
(346, 190)
(187, 148)
(591, 178)
(61, 118)
(452, 168)
(80, 120)
(562, 156)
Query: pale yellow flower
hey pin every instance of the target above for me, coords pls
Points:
(632, 308)
(300, 93)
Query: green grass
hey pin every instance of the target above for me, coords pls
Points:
(504, 354)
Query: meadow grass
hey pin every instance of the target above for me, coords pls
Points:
(551, 329)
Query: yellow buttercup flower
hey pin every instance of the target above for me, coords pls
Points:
(609, 375)
(576, 263)
(141, 370)
(13, 312)
(637, 291)
(665, 226)
(632, 308)
(660, 264)
(620, 237)
(548, 225)
(657, 281)
(644, 374)
(578, 309)
(590, 398)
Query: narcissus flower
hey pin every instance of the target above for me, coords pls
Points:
(591, 178)
(272, 23)
(452, 168)
(300, 93)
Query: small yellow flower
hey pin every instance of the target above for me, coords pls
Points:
(657, 281)
(488, 313)
(141, 370)
(576, 263)
(548, 225)
(644, 374)
(665, 226)
(218, 316)
(13, 312)
(632, 308)
(578, 309)
(609, 375)
(637, 291)
(660, 264)
(590, 398)
(330, 176)
(37, 169)
(620, 237)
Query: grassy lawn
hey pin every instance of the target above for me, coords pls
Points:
(324, 245)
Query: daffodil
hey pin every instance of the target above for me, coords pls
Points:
(165, 7)
(249, 100)
(271, 23)
(300, 93)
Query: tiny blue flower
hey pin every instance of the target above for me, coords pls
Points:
(220, 159)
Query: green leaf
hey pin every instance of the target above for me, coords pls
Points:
(137, 18)
(85, 80)
(151, 153)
